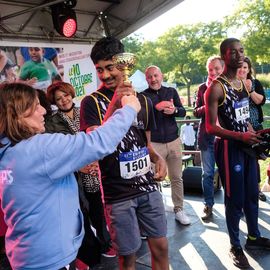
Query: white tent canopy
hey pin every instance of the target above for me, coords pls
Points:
(29, 20)
(139, 82)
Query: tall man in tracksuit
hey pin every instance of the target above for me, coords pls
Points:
(227, 117)
(165, 138)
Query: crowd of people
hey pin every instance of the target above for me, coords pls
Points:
(63, 172)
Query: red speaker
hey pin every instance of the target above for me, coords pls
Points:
(64, 18)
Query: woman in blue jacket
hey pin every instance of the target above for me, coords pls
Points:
(38, 190)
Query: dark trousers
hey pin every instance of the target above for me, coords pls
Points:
(239, 178)
(258, 171)
(97, 217)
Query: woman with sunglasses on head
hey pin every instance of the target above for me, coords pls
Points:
(44, 229)
(256, 101)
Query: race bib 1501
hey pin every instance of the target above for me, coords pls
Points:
(134, 163)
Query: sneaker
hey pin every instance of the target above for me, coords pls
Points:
(182, 217)
(81, 265)
(166, 184)
(259, 243)
(110, 253)
(239, 258)
(143, 237)
(207, 212)
(262, 197)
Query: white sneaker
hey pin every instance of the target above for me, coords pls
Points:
(182, 217)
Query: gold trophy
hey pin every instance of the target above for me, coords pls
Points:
(125, 62)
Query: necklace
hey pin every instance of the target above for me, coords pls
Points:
(239, 89)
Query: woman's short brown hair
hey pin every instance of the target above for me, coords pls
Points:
(62, 86)
(15, 100)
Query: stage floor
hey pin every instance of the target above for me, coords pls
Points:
(201, 245)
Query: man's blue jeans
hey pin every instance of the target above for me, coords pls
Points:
(208, 170)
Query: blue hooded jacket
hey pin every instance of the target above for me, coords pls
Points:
(39, 192)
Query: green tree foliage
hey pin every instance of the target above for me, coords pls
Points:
(147, 52)
(253, 17)
(150, 55)
(133, 44)
(186, 49)
(182, 51)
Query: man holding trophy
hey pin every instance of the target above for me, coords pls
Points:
(133, 203)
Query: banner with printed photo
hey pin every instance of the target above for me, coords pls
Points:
(79, 71)
(40, 64)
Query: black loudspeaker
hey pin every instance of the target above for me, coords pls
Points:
(192, 179)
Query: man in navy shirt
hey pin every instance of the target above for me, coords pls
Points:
(165, 138)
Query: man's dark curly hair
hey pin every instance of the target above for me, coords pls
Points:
(106, 48)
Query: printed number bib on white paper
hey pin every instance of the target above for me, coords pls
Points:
(134, 163)
(242, 110)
